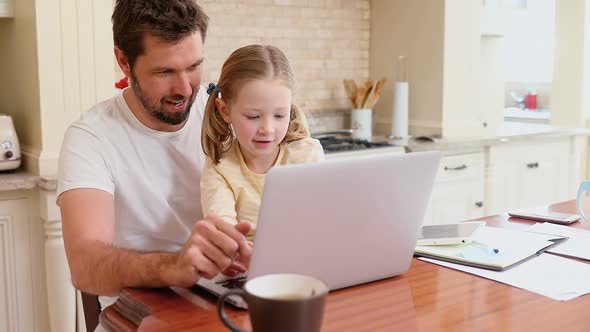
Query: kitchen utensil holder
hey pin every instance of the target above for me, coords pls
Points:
(362, 123)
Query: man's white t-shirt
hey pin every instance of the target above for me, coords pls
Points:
(153, 176)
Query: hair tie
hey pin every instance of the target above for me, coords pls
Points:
(212, 87)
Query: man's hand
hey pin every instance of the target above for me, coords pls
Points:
(235, 267)
(213, 247)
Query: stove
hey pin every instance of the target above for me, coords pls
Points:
(335, 144)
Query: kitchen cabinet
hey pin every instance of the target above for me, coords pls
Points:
(458, 192)
(507, 176)
(6, 8)
(526, 174)
(22, 275)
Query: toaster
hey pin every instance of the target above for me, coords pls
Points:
(10, 156)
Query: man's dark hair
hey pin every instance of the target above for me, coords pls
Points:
(169, 20)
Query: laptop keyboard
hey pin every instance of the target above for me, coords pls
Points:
(234, 282)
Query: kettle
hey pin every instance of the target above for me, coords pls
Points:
(10, 156)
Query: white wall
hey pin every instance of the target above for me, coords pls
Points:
(530, 42)
(415, 30)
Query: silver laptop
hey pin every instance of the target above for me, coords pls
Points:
(345, 221)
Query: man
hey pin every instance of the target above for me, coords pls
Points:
(129, 169)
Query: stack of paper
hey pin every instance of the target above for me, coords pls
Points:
(493, 248)
(578, 244)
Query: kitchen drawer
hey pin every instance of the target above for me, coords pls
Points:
(458, 192)
(460, 166)
(530, 153)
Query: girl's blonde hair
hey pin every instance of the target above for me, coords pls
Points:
(253, 62)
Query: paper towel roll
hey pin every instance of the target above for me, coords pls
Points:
(399, 119)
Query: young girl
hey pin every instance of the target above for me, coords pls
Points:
(250, 125)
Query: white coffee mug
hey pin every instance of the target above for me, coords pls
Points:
(361, 123)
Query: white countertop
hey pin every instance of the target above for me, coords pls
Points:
(517, 113)
(505, 133)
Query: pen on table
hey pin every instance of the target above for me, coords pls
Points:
(492, 250)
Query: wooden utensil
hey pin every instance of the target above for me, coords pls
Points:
(360, 95)
(367, 86)
(350, 88)
(374, 98)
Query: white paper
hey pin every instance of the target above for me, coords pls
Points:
(399, 121)
(578, 244)
(549, 275)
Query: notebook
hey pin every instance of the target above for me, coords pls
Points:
(345, 221)
(493, 248)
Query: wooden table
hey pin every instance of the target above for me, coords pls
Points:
(427, 298)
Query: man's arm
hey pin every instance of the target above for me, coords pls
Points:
(99, 268)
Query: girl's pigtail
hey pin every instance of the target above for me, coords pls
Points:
(216, 133)
(298, 128)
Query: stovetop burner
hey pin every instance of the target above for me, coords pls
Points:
(334, 144)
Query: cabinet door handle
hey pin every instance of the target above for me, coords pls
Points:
(479, 204)
(458, 168)
(533, 165)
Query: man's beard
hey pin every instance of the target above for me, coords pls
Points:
(156, 108)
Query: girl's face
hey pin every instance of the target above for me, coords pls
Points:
(260, 118)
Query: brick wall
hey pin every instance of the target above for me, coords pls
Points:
(325, 41)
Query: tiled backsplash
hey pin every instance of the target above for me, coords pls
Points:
(328, 120)
(325, 40)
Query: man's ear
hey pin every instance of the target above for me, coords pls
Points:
(223, 109)
(122, 61)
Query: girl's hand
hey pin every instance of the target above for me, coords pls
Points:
(241, 262)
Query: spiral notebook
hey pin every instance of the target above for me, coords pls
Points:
(493, 248)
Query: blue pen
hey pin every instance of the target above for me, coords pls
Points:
(486, 247)
(479, 251)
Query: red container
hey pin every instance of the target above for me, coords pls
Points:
(531, 101)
